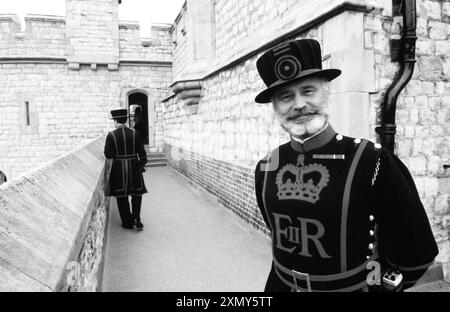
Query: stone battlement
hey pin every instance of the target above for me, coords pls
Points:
(45, 36)
(134, 47)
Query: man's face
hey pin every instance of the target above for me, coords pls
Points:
(302, 106)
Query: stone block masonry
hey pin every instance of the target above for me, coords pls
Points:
(66, 108)
(62, 76)
(133, 47)
(179, 44)
(85, 273)
(44, 36)
(423, 117)
(92, 32)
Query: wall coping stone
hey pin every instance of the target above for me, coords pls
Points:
(19, 59)
(45, 18)
(145, 62)
(179, 16)
(16, 59)
(44, 215)
(10, 17)
(129, 24)
(161, 26)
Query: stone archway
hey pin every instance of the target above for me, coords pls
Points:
(143, 98)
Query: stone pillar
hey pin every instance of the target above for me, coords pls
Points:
(199, 29)
(349, 102)
(92, 32)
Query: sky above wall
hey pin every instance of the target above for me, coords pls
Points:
(143, 11)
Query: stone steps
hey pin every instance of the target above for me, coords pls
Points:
(155, 159)
(155, 164)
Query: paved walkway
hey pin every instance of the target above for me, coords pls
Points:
(190, 243)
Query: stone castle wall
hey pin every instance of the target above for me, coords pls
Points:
(132, 47)
(92, 33)
(179, 40)
(44, 36)
(218, 142)
(237, 21)
(67, 108)
(59, 84)
(423, 117)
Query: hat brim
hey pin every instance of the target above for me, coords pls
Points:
(266, 95)
(118, 117)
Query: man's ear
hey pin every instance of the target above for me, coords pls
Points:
(274, 102)
(326, 85)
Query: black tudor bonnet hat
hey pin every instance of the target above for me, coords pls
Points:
(291, 61)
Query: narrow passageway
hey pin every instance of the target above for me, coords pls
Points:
(190, 243)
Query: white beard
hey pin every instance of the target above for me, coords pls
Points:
(306, 129)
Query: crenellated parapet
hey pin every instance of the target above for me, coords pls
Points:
(44, 36)
(134, 48)
(9, 24)
(84, 37)
(61, 76)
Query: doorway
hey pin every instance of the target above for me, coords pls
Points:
(139, 99)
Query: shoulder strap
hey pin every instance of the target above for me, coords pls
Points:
(124, 141)
(134, 141)
(115, 142)
(272, 163)
(346, 202)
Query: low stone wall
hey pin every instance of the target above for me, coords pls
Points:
(52, 224)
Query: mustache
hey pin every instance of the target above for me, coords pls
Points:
(299, 113)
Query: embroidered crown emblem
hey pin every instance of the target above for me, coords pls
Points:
(302, 182)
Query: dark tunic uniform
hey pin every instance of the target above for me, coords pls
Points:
(140, 129)
(129, 157)
(334, 204)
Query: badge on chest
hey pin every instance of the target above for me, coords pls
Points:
(296, 235)
(302, 182)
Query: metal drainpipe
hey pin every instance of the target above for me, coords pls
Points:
(404, 51)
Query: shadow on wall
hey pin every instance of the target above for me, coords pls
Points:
(52, 224)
